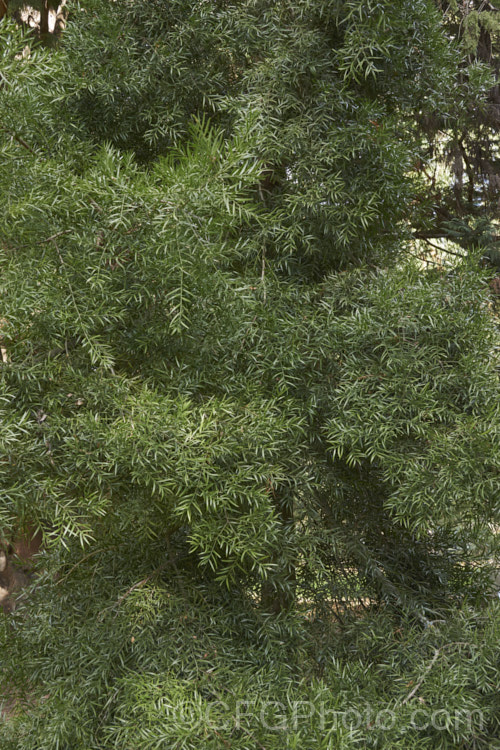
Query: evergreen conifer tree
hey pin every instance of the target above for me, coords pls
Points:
(230, 393)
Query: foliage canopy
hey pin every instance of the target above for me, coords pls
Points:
(232, 398)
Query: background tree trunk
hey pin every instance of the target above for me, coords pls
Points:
(44, 17)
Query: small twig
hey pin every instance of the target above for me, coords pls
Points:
(76, 566)
(19, 140)
(419, 683)
(425, 260)
(42, 242)
(134, 587)
(63, 264)
(148, 578)
(54, 236)
(372, 375)
(443, 249)
(437, 651)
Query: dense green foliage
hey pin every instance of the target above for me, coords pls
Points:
(175, 666)
(233, 400)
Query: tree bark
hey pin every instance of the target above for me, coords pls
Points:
(44, 17)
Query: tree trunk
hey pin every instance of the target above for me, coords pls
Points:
(44, 17)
